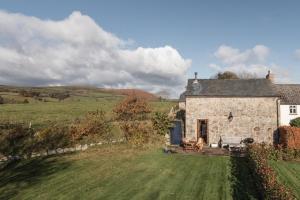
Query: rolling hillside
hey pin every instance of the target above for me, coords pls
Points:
(43, 105)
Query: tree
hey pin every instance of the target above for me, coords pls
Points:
(15, 139)
(232, 75)
(247, 75)
(295, 122)
(132, 114)
(132, 108)
(226, 75)
(25, 101)
(163, 94)
(161, 123)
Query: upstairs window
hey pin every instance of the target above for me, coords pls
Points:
(293, 110)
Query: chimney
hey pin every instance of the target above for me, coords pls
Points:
(196, 80)
(270, 76)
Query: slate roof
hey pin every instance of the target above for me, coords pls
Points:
(289, 93)
(231, 88)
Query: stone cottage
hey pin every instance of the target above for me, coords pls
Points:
(230, 109)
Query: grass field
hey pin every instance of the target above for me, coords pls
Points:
(118, 173)
(81, 101)
(289, 174)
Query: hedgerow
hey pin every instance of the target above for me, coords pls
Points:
(265, 176)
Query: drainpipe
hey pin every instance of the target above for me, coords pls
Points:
(278, 121)
(278, 112)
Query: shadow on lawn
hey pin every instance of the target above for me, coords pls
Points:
(242, 180)
(18, 175)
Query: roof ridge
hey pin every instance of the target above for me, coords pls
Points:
(288, 84)
(228, 79)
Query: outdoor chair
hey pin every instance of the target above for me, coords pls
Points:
(199, 144)
(188, 145)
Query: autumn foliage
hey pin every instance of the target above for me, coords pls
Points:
(265, 176)
(132, 115)
(132, 108)
(93, 125)
(289, 137)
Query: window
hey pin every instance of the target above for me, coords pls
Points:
(293, 110)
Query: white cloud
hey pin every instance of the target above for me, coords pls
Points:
(253, 61)
(297, 53)
(230, 55)
(76, 50)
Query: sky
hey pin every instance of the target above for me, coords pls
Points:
(153, 45)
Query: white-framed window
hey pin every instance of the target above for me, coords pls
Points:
(293, 110)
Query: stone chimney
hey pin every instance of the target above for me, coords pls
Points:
(270, 76)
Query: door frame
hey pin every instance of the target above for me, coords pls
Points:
(198, 129)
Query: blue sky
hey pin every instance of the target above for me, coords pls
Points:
(196, 29)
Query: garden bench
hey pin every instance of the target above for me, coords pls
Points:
(233, 143)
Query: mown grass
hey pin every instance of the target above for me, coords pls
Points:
(118, 173)
(289, 174)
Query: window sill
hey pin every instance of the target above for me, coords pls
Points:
(293, 113)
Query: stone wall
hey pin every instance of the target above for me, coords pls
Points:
(252, 117)
(181, 105)
(77, 147)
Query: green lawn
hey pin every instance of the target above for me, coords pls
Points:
(118, 173)
(289, 174)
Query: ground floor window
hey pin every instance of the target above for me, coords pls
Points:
(293, 109)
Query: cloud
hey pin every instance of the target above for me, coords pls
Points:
(76, 50)
(252, 61)
(297, 53)
(229, 55)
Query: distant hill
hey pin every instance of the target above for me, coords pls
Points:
(79, 90)
(136, 92)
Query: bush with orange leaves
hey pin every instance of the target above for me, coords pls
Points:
(132, 108)
(132, 115)
(265, 177)
(93, 126)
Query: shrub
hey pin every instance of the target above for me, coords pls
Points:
(132, 108)
(226, 75)
(29, 93)
(295, 122)
(25, 101)
(15, 139)
(161, 123)
(93, 125)
(132, 113)
(139, 133)
(265, 177)
(53, 137)
(1, 100)
(60, 95)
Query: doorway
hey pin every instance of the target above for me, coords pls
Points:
(202, 129)
(176, 133)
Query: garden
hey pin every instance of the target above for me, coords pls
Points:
(130, 163)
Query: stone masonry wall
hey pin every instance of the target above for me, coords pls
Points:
(181, 105)
(252, 117)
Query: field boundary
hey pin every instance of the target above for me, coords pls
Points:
(78, 147)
